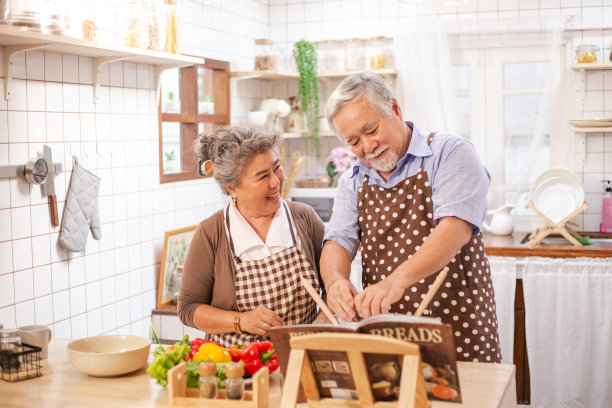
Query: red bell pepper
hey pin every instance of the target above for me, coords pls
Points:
(196, 344)
(258, 355)
(236, 352)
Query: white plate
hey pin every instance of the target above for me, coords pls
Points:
(557, 197)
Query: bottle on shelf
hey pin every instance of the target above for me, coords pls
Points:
(377, 53)
(265, 60)
(171, 23)
(352, 57)
(606, 208)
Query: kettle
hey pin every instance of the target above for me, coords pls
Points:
(501, 221)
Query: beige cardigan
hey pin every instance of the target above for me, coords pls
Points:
(209, 270)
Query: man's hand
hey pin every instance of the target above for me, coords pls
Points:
(379, 297)
(340, 299)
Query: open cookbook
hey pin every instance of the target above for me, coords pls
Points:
(332, 369)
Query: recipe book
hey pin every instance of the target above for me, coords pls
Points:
(332, 370)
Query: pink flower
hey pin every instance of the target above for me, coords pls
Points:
(341, 158)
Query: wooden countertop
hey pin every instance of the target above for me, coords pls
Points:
(61, 385)
(515, 245)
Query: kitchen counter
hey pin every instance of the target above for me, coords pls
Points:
(483, 385)
(515, 245)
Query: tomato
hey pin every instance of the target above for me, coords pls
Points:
(442, 392)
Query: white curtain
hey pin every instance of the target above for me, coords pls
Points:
(424, 84)
(568, 306)
(503, 273)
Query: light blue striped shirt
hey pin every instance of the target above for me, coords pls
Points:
(459, 184)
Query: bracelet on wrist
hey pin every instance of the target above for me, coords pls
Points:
(237, 328)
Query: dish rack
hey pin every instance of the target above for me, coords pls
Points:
(21, 365)
(539, 234)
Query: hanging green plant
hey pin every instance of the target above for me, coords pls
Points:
(308, 88)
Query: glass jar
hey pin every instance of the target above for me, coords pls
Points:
(154, 16)
(334, 62)
(25, 14)
(586, 53)
(234, 384)
(171, 23)
(377, 53)
(265, 58)
(321, 49)
(352, 56)
(208, 379)
(5, 11)
(135, 24)
(10, 345)
(56, 18)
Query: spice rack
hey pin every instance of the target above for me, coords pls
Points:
(181, 396)
(14, 40)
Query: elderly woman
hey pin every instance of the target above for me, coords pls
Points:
(242, 272)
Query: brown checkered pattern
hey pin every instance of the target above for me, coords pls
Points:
(273, 282)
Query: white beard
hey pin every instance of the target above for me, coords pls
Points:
(383, 164)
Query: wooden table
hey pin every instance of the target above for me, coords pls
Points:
(61, 385)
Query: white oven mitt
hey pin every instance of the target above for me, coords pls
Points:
(81, 210)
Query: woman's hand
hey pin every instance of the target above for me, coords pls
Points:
(259, 320)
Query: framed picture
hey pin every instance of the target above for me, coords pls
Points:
(176, 244)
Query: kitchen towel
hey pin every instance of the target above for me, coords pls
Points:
(81, 210)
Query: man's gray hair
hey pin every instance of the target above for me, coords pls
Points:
(371, 86)
(232, 148)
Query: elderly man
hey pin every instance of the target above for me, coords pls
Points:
(415, 203)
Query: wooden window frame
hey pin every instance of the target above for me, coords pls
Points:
(189, 118)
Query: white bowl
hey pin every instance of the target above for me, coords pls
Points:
(107, 356)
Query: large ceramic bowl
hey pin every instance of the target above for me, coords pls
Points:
(107, 356)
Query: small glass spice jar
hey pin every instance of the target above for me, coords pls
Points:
(10, 345)
(377, 53)
(352, 56)
(208, 379)
(265, 58)
(234, 384)
(586, 53)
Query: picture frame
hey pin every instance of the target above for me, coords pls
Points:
(176, 245)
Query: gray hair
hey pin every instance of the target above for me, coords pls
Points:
(232, 148)
(371, 86)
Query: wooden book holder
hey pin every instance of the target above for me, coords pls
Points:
(412, 392)
(181, 396)
(550, 227)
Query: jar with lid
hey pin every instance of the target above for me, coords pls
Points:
(56, 18)
(208, 379)
(352, 56)
(586, 53)
(135, 24)
(321, 49)
(234, 384)
(334, 60)
(5, 11)
(265, 58)
(10, 345)
(26, 14)
(376, 52)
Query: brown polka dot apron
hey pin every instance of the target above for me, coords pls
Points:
(273, 282)
(394, 222)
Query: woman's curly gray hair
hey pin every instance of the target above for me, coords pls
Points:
(232, 148)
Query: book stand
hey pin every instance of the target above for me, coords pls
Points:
(181, 396)
(412, 392)
(539, 234)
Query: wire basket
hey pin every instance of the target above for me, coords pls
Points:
(17, 366)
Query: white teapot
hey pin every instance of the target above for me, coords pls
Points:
(501, 221)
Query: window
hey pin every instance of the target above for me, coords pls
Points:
(499, 94)
(193, 99)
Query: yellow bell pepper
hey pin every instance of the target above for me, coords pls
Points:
(212, 352)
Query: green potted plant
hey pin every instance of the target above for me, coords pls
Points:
(171, 105)
(170, 161)
(206, 104)
(308, 88)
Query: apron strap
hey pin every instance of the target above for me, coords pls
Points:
(429, 140)
(229, 232)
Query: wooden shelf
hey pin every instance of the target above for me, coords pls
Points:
(591, 129)
(591, 66)
(74, 46)
(268, 75)
(299, 135)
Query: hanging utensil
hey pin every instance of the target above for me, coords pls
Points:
(49, 187)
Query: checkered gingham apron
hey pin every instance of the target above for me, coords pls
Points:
(394, 222)
(273, 282)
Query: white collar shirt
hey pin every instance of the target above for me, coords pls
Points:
(248, 246)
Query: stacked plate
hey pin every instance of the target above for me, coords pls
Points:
(557, 192)
(591, 122)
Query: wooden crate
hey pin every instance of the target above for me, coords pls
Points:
(181, 396)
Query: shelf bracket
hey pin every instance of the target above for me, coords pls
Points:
(97, 63)
(159, 69)
(582, 82)
(7, 63)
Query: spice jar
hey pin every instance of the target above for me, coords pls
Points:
(377, 53)
(154, 18)
(234, 384)
(25, 14)
(10, 345)
(171, 22)
(56, 18)
(208, 379)
(352, 56)
(265, 58)
(586, 53)
(135, 24)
